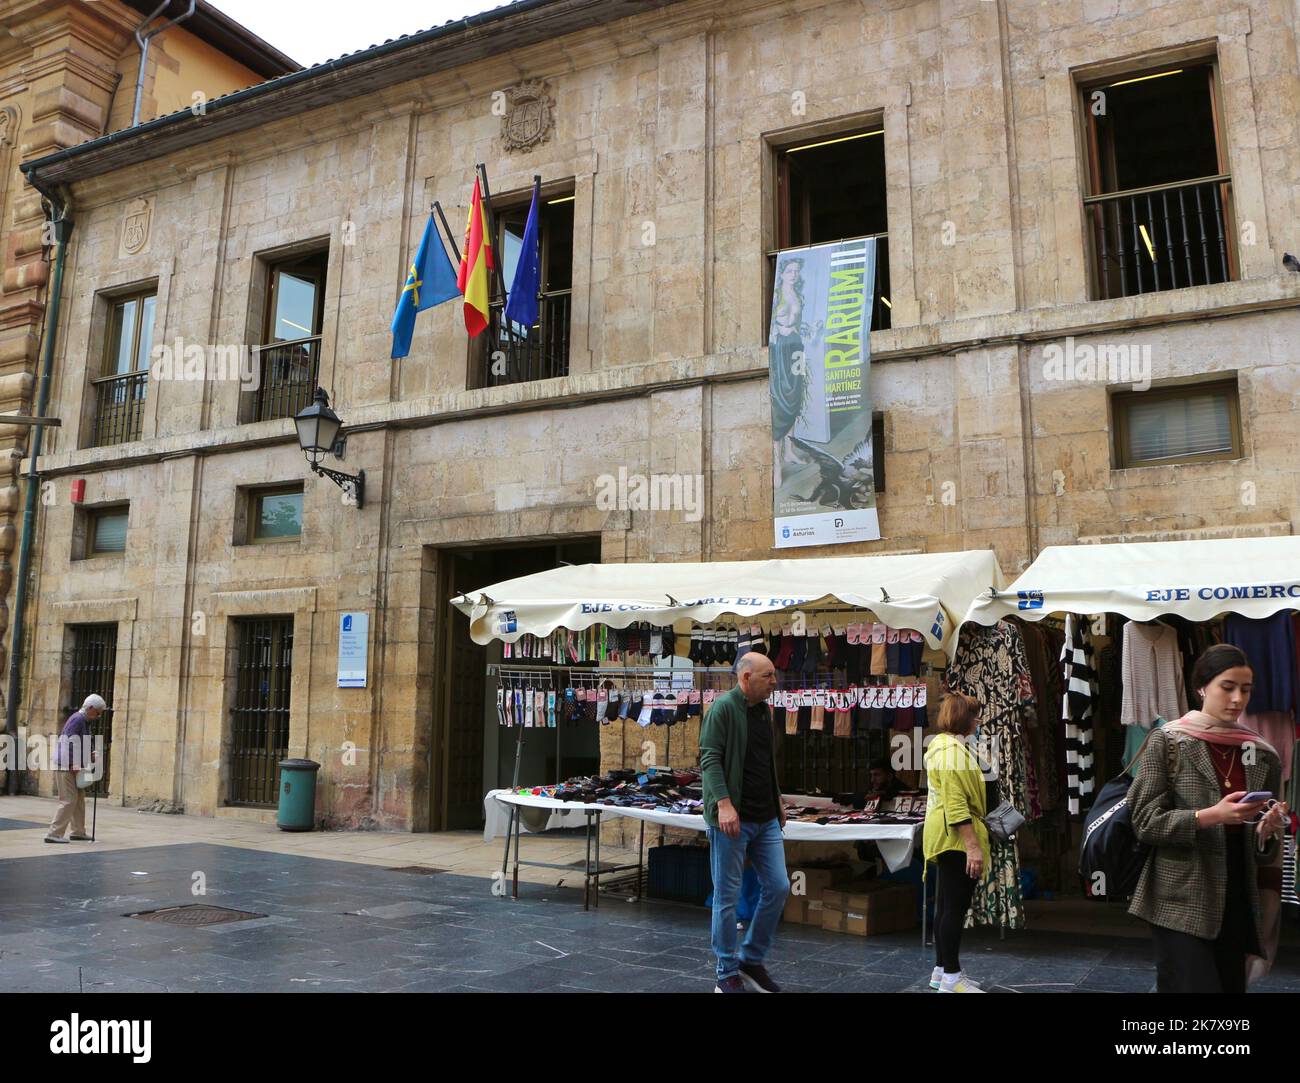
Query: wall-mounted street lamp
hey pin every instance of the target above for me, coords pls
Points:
(318, 428)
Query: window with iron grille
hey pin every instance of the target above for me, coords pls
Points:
(507, 352)
(122, 385)
(1159, 194)
(289, 358)
(94, 670)
(832, 188)
(259, 715)
(1185, 423)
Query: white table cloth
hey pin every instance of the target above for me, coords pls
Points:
(897, 842)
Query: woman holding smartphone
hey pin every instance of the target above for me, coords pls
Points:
(1213, 853)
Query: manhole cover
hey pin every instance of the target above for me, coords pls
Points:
(418, 870)
(195, 914)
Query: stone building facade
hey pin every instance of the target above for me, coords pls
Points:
(68, 74)
(666, 123)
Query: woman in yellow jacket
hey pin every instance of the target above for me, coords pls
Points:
(955, 838)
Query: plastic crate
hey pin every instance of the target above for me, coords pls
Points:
(679, 873)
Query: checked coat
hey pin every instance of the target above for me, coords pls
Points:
(1185, 880)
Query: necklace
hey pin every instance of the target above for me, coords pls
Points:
(1227, 775)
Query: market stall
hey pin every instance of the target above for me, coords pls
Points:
(1125, 622)
(642, 650)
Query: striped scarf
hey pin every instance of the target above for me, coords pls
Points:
(1079, 678)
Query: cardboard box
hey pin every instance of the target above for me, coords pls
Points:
(868, 908)
(856, 923)
(801, 910)
(817, 879)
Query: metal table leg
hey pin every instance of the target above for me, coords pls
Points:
(505, 858)
(519, 823)
(586, 868)
(640, 861)
(595, 895)
(923, 909)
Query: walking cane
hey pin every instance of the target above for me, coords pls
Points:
(94, 810)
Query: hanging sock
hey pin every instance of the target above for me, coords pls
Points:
(797, 653)
(742, 644)
(812, 654)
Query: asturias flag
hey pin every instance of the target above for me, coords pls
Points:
(430, 281)
(521, 305)
(475, 264)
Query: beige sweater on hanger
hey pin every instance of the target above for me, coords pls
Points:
(1153, 675)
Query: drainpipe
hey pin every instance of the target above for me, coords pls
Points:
(143, 41)
(62, 231)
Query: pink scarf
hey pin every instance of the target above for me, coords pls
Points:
(1200, 725)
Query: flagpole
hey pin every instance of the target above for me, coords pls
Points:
(451, 240)
(501, 281)
(537, 202)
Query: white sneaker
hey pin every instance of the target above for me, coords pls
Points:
(936, 976)
(958, 984)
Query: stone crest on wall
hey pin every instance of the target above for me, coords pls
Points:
(137, 226)
(530, 116)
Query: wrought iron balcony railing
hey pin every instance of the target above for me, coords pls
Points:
(119, 407)
(512, 354)
(288, 372)
(1165, 237)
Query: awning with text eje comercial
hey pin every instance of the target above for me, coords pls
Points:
(1198, 580)
(925, 592)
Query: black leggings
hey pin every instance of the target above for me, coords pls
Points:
(955, 889)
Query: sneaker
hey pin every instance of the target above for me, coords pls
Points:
(936, 977)
(959, 984)
(757, 979)
(732, 984)
(55, 838)
(79, 838)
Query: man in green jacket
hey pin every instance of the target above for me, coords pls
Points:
(742, 806)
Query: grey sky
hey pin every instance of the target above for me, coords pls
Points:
(311, 31)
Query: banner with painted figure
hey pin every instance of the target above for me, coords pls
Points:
(823, 484)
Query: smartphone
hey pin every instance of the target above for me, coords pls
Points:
(1255, 795)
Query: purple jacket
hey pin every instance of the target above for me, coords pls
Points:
(67, 757)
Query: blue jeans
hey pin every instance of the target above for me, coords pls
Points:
(763, 845)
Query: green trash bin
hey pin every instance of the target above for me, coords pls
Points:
(297, 795)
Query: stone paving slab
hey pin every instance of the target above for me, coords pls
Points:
(339, 925)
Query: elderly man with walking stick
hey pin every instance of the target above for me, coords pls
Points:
(70, 757)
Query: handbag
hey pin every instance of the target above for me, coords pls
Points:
(1004, 821)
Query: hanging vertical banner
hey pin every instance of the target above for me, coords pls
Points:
(823, 483)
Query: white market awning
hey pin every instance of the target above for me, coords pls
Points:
(925, 592)
(1198, 580)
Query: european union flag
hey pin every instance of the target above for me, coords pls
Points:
(521, 305)
(430, 281)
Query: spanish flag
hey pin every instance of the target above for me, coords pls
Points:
(475, 264)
